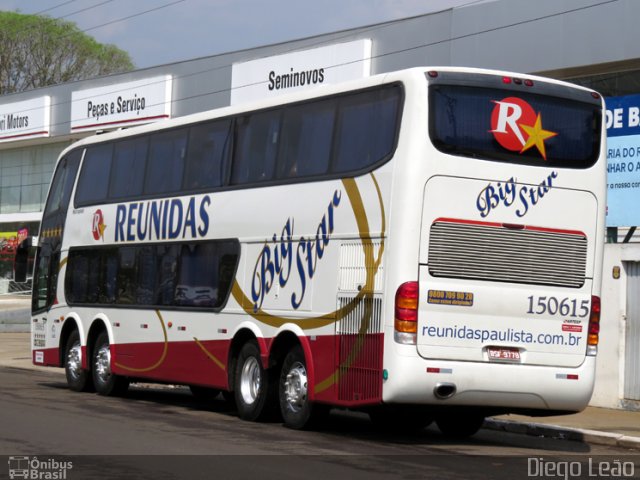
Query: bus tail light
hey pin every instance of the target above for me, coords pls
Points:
(406, 313)
(594, 326)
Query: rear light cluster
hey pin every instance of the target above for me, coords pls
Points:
(406, 313)
(517, 81)
(594, 326)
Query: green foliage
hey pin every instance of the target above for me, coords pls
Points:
(36, 51)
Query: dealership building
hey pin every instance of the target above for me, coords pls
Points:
(593, 43)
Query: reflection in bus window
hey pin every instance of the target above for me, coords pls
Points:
(198, 274)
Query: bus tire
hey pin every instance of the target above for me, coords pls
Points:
(298, 412)
(254, 386)
(106, 382)
(78, 379)
(401, 418)
(459, 424)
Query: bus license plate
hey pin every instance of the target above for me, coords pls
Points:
(504, 354)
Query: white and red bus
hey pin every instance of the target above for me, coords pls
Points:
(424, 244)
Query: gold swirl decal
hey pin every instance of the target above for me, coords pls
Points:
(366, 293)
(209, 354)
(371, 267)
(160, 360)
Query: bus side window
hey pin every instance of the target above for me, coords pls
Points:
(198, 276)
(209, 146)
(256, 149)
(168, 261)
(127, 171)
(165, 163)
(305, 145)
(147, 268)
(110, 275)
(126, 278)
(96, 167)
(206, 273)
(366, 130)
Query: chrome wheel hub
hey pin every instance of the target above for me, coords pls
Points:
(103, 363)
(74, 361)
(250, 380)
(295, 387)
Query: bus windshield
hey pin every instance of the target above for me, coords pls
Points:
(516, 127)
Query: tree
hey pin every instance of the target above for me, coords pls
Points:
(36, 51)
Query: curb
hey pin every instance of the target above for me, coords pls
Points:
(564, 433)
(15, 320)
(15, 314)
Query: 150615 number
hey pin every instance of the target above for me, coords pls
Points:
(566, 307)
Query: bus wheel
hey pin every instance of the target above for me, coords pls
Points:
(460, 425)
(254, 389)
(401, 418)
(106, 383)
(78, 379)
(297, 411)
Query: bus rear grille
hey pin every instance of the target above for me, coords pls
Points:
(500, 254)
(360, 351)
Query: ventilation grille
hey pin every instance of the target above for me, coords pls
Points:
(500, 254)
(353, 268)
(360, 350)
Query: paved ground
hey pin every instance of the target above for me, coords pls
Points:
(594, 425)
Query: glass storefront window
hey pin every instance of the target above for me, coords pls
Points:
(25, 174)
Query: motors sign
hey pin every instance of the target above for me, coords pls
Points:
(120, 104)
(25, 120)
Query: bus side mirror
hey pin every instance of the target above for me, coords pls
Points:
(20, 263)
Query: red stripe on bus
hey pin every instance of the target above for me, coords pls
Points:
(187, 363)
(508, 225)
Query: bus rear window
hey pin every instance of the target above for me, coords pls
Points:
(517, 127)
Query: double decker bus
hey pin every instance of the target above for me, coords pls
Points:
(425, 245)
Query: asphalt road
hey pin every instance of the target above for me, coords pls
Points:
(163, 432)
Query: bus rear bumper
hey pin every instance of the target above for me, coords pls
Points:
(415, 380)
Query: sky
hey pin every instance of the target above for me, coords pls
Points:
(156, 32)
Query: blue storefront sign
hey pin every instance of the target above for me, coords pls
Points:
(623, 161)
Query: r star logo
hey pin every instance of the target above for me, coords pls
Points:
(517, 127)
(97, 225)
